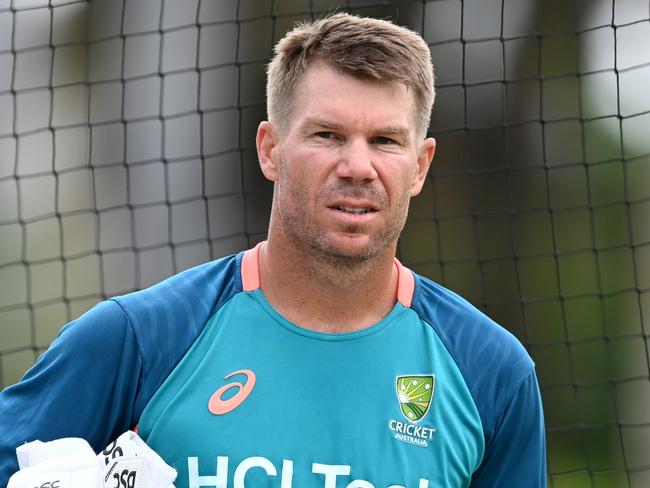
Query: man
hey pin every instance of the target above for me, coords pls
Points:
(315, 359)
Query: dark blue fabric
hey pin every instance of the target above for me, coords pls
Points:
(516, 452)
(82, 386)
(501, 378)
(98, 375)
(169, 316)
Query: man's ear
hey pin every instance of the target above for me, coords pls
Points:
(425, 155)
(266, 142)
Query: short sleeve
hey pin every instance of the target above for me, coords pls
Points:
(515, 455)
(84, 385)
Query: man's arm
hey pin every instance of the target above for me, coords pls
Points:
(515, 455)
(83, 386)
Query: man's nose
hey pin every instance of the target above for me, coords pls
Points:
(356, 161)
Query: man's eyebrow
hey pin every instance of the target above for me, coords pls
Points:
(328, 124)
(394, 130)
(325, 124)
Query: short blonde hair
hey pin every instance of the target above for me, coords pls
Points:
(366, 48)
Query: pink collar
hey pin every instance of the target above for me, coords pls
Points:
(250, 276)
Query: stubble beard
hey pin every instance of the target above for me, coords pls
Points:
(300, 227)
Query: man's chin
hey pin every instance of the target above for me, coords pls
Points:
(349, 248)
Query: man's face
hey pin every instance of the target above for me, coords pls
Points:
(346, 165)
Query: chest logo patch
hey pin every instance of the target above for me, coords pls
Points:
(218, 406)
(414, 394)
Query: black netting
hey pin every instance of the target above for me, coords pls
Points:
(127, 154)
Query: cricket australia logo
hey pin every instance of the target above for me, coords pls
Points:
(414, 394)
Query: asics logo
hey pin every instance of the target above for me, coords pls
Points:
(218, 406)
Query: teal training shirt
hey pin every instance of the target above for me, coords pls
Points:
(324, 409)
(231, 394)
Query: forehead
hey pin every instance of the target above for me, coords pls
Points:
(325, 93)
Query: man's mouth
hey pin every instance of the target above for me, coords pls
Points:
(353, 210)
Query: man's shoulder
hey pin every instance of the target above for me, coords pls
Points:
(182, 302)
(492, 360)
(197, 291)
(452, 315)
(167, 318)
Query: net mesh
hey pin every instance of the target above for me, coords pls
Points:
(127, 154)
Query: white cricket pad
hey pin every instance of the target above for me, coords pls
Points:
(129, 463)
(71, 463)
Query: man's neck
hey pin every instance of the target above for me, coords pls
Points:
(322, 296)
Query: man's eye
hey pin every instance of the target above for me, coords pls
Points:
(325, 135)
(384, 140)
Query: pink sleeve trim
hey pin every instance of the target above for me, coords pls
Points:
(405, 285)
(250, 270)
